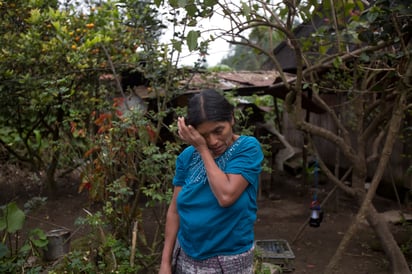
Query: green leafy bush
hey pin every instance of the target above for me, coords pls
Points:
(13, 257)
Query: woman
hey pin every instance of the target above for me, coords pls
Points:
(210, 220)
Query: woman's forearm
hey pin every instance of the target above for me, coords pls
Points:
(172, 226)
(226, 187)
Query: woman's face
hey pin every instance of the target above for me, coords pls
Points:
(218, 135)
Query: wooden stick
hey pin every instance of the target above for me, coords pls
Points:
(134, 239)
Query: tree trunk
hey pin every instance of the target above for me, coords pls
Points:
(51, 172)
(389, 244)
(52, 167)
(392, 250)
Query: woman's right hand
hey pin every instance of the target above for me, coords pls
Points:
(189, 134)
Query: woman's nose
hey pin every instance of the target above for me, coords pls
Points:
(211, 140)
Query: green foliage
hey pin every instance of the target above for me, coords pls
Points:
(51, 63)
(130, 174)
(55, 110)
(381, 16)
(99, 252)
(12, 256)
(76, 261)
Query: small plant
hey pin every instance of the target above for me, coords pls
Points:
(261, 267)
(13, 257)
(129, 174)
(99, 252)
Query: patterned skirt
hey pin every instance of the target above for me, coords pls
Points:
(228, 264)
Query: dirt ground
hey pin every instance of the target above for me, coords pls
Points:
(283, 215)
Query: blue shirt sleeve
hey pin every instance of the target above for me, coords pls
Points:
(247, 161)
(182, 164)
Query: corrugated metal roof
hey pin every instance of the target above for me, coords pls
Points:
(243, 82)
(231, 80)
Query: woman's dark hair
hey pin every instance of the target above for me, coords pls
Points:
(208, 105)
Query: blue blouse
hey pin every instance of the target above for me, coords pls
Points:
(206, 229)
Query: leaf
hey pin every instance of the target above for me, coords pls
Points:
(157, 2)
(174, 3)
(245, 9)
(4, 251)
(25, 248)
(37, 134)
(38, 237)
(323, 49)
(337, 62)
(177, 45)
(12, 219)
(191, 10)
(34, 16)
(372, 15)
(56, 25)
(364, 57)
(366, 36)
(210, 3)
(192, 23)
(192, 40)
